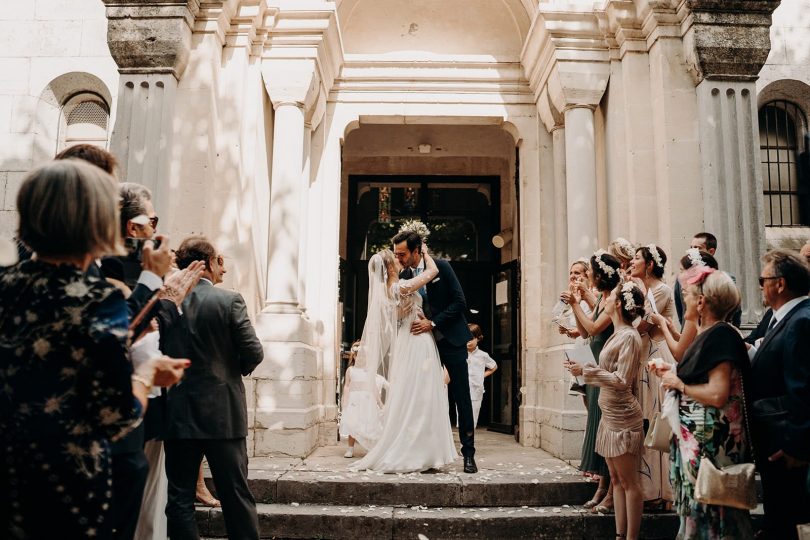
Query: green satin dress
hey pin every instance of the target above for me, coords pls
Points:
(592, 462)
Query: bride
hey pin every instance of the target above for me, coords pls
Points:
(415, 433)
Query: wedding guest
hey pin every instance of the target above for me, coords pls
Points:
(207, 414)
(91, 153)
(648, 266)
(710, 381)
(621, 432)
(562, 315)
(624, 251)
(780, 394)
(68, 388)
(604, 275)
(361, 411)
(679, 341)
(480, 365)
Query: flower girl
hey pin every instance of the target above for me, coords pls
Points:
(357, 404)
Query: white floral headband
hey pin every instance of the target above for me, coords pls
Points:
(626, 246)
(609, 270)
(653, 249)
(627, 295)
(694, 257)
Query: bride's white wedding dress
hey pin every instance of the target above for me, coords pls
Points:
(416, 434)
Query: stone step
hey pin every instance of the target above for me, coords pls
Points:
(486, 488)
(390, 522)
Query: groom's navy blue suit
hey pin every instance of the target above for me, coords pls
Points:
(445, 306)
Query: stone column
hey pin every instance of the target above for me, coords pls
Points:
(151, 45)
(286, 190)
(560, 203)
(580, 164)
(725, 48)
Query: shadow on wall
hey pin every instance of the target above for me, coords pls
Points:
(35, 132)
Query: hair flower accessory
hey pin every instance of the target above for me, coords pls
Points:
(626, 246)
(694, 257)
(700, 275)
(653, 249)
(415, 226)
(627, 296)
(607, 269)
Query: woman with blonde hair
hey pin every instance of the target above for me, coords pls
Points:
(67, 385)
(709, 382)
(624, 251)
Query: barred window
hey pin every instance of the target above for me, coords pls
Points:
(784, 154)
(85, 119)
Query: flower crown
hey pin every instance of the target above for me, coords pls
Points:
(609, 270)
(626, 246)
(417, 227)
(627, 295)
(694, 257)
(653, 249)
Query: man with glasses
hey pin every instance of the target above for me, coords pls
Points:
(778, 394)
(207, 412)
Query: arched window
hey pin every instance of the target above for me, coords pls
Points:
(85, 119)
(785, 163)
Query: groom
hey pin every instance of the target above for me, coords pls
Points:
(444, 306)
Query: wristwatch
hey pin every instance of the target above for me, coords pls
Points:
(432, 324)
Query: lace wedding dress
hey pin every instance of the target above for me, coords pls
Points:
(416, 433)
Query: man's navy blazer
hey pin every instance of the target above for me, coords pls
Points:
(781, 369)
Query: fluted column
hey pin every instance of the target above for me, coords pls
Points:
(151, 45)
(580, 163)
(726, 46)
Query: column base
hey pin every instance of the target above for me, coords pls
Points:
(288, 409)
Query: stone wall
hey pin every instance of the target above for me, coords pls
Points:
(49, 51)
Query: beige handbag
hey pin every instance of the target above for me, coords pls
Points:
(659, 434)
(732, 486)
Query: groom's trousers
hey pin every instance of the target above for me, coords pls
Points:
(455, 360)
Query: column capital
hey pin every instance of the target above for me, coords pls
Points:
(150, 36)
(728, 39)
(566, 54)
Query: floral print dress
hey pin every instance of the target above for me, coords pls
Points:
(720, 434)
(65, 392)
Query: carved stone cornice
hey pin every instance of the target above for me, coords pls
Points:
(151, 36)
(622, 28)
(302, 55)
(728, 39)
(567, 55)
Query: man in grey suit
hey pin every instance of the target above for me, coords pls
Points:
(206, 411)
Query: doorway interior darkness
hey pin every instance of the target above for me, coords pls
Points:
(463, 213)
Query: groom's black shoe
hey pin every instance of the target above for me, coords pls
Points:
(469, 465)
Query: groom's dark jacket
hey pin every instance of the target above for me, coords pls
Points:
(446, 304)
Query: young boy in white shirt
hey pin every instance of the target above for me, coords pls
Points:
(479, 366)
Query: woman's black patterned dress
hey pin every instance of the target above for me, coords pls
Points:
(65, 392)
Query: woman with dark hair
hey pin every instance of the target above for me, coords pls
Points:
(621, 432)
(604, 274)
(647, 267)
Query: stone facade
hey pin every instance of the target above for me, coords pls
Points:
(246, 118)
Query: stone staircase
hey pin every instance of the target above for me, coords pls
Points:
(518, 493)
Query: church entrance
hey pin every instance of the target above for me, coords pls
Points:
(463, 214)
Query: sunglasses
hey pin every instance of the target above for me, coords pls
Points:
(762, 279)
(153, 221)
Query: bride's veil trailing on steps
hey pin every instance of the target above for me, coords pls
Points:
(376, 345)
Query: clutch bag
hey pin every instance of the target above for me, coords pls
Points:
(659, 435)
(732, 486)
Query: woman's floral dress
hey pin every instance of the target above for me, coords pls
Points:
(719, 433)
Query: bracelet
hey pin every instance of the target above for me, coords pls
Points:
(683, 388)
(146, 384)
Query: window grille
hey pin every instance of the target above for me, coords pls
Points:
(88, 112)
(783, 150)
